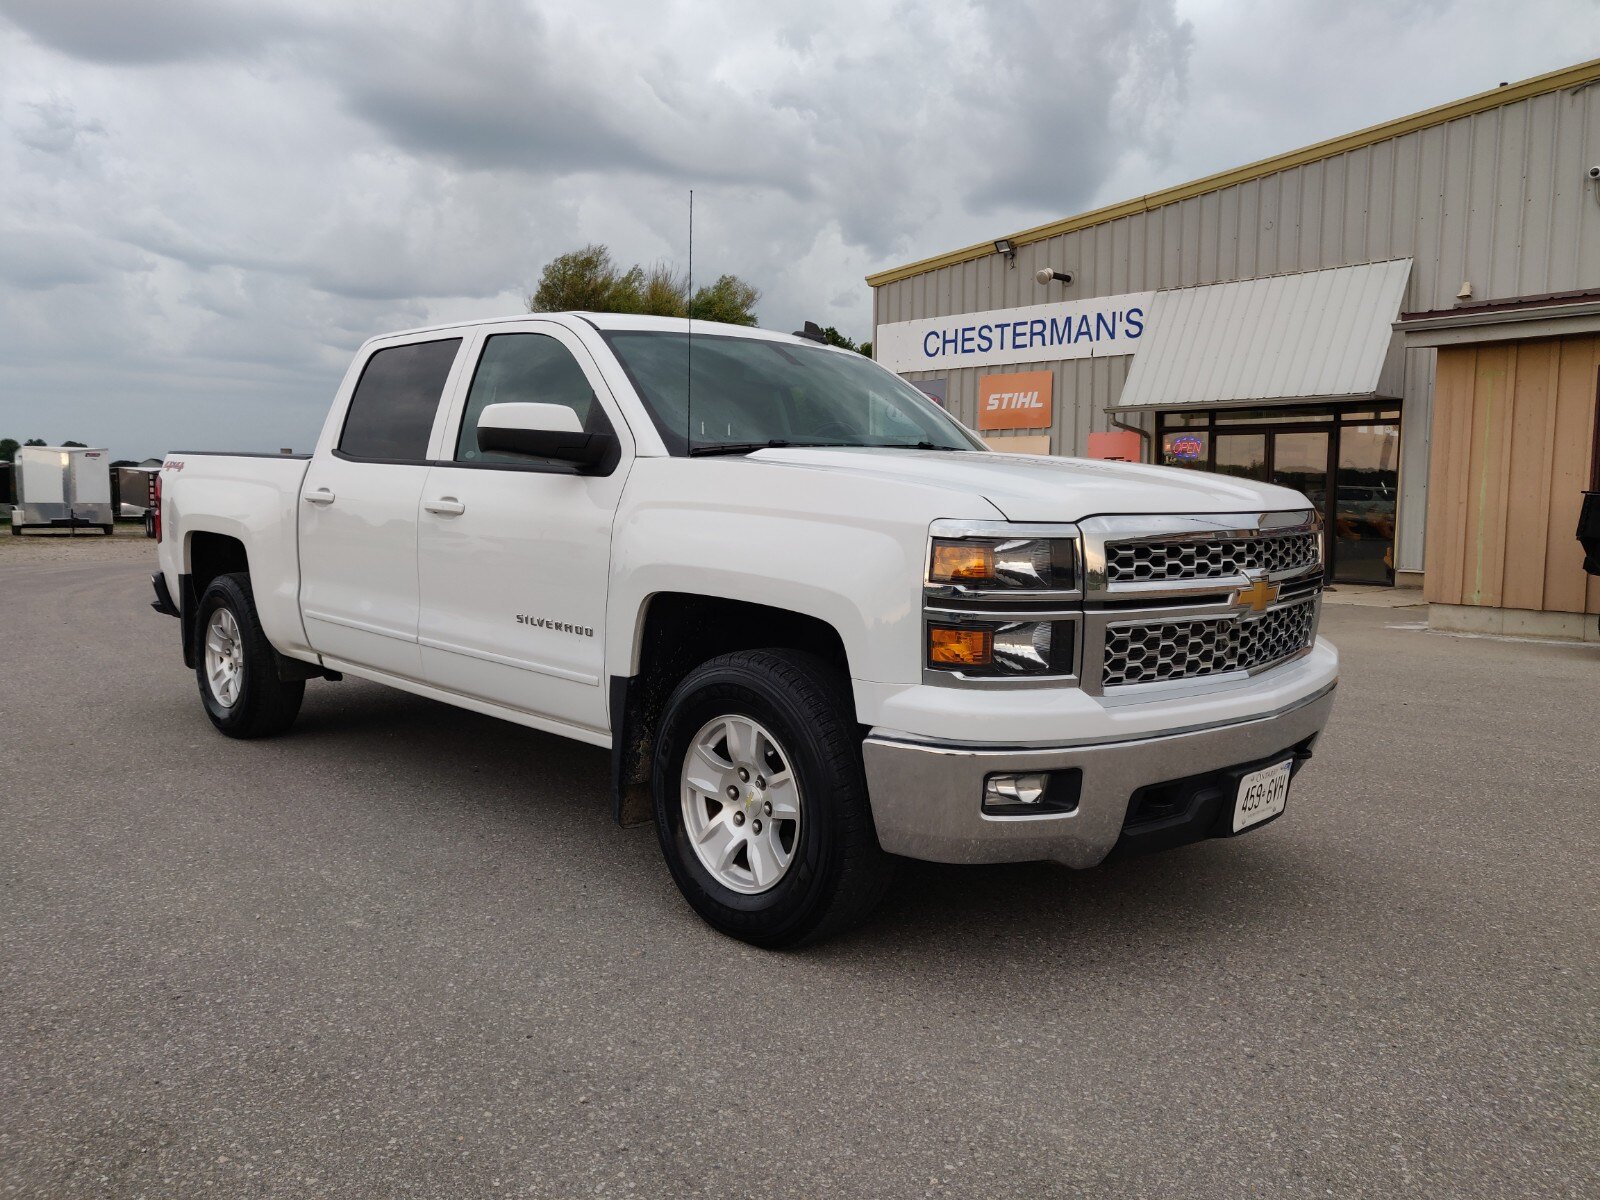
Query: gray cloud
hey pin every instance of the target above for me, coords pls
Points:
(209, 203)
(149, 31)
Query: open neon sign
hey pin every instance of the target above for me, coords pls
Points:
(1186, 447)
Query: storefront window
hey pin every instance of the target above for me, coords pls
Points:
(1251, 416)
(1242, 454)
(1298, 448)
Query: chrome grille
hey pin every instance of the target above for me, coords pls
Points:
(1207, 558)
(1190, 649)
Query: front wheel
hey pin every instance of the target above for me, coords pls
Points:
(236, 667)
(761, 799)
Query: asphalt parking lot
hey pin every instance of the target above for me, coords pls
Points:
(405, 952)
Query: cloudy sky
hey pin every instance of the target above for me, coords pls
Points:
(205, 205)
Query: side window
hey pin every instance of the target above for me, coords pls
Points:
(530, 368)
(392, 410)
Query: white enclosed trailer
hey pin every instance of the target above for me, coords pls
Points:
(62, 487)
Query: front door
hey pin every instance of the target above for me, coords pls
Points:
(1364, 508)
(1300, 461)
(514, 553)
(358, 512)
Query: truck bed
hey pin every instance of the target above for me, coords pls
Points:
(253, 499)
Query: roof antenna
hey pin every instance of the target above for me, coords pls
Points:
(688, 318)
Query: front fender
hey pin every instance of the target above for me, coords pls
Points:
(846, 550)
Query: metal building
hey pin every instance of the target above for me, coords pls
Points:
(1288, 319)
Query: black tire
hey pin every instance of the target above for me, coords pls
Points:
(266, 705)
(149, 524)
(838, 872)
(109, 530)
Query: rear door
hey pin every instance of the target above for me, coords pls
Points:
(358, 509)
(514, 553)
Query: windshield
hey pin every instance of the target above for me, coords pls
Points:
(748, 393)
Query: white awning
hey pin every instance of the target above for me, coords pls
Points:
(1316, 335)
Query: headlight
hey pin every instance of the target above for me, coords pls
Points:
(993, 564)
(1001, 649)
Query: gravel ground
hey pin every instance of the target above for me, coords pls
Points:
(403, 951)
(127, 544)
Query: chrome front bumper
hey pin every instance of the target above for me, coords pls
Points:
(927, 796)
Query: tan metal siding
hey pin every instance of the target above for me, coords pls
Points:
(1512, 435)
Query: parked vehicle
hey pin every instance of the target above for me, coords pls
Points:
(818, 623)
(62, 487)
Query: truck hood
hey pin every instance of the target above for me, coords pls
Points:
(1030, 488)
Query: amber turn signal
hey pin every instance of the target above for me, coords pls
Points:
(959, 647)
(961, 560)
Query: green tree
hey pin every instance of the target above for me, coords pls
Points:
(834, 338)
(729, 299)
(35, 442)
(8, 449)
(662, 291)
(79, 445)
(589, 280)
(584, 281)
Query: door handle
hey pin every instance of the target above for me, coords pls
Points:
(320, 496)
(445, 506)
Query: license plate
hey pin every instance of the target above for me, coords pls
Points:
(1262, 794)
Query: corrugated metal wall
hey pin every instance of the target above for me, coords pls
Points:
(1499, 199)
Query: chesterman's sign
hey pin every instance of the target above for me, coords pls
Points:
(1096, 328)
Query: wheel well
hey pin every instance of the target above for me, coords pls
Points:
(210, 555)
(213, 554)
(680, 632)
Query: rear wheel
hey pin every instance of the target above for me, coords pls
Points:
(236, 667)
(761, 801)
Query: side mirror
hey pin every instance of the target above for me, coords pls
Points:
(542, 431)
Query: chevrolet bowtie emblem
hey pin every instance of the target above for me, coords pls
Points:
(1257, 596)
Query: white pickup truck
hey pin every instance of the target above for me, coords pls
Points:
(816, 621)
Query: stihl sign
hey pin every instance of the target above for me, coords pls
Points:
(1020, 401)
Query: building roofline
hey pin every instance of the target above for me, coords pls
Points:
(1575, 76)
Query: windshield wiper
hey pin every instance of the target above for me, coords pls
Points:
(751, 447)
(912, 446)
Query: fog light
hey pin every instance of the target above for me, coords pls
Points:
(1032, 793)
(1014, 789)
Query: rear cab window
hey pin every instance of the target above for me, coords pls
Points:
(391, 412)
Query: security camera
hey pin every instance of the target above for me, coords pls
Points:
(1594, 172)
(1051, 275)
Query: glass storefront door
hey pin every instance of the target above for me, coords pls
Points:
(1363, 515)
(1346, 459)
(1300, 461)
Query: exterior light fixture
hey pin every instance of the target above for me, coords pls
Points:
(1051, 275)
(1008, 248)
